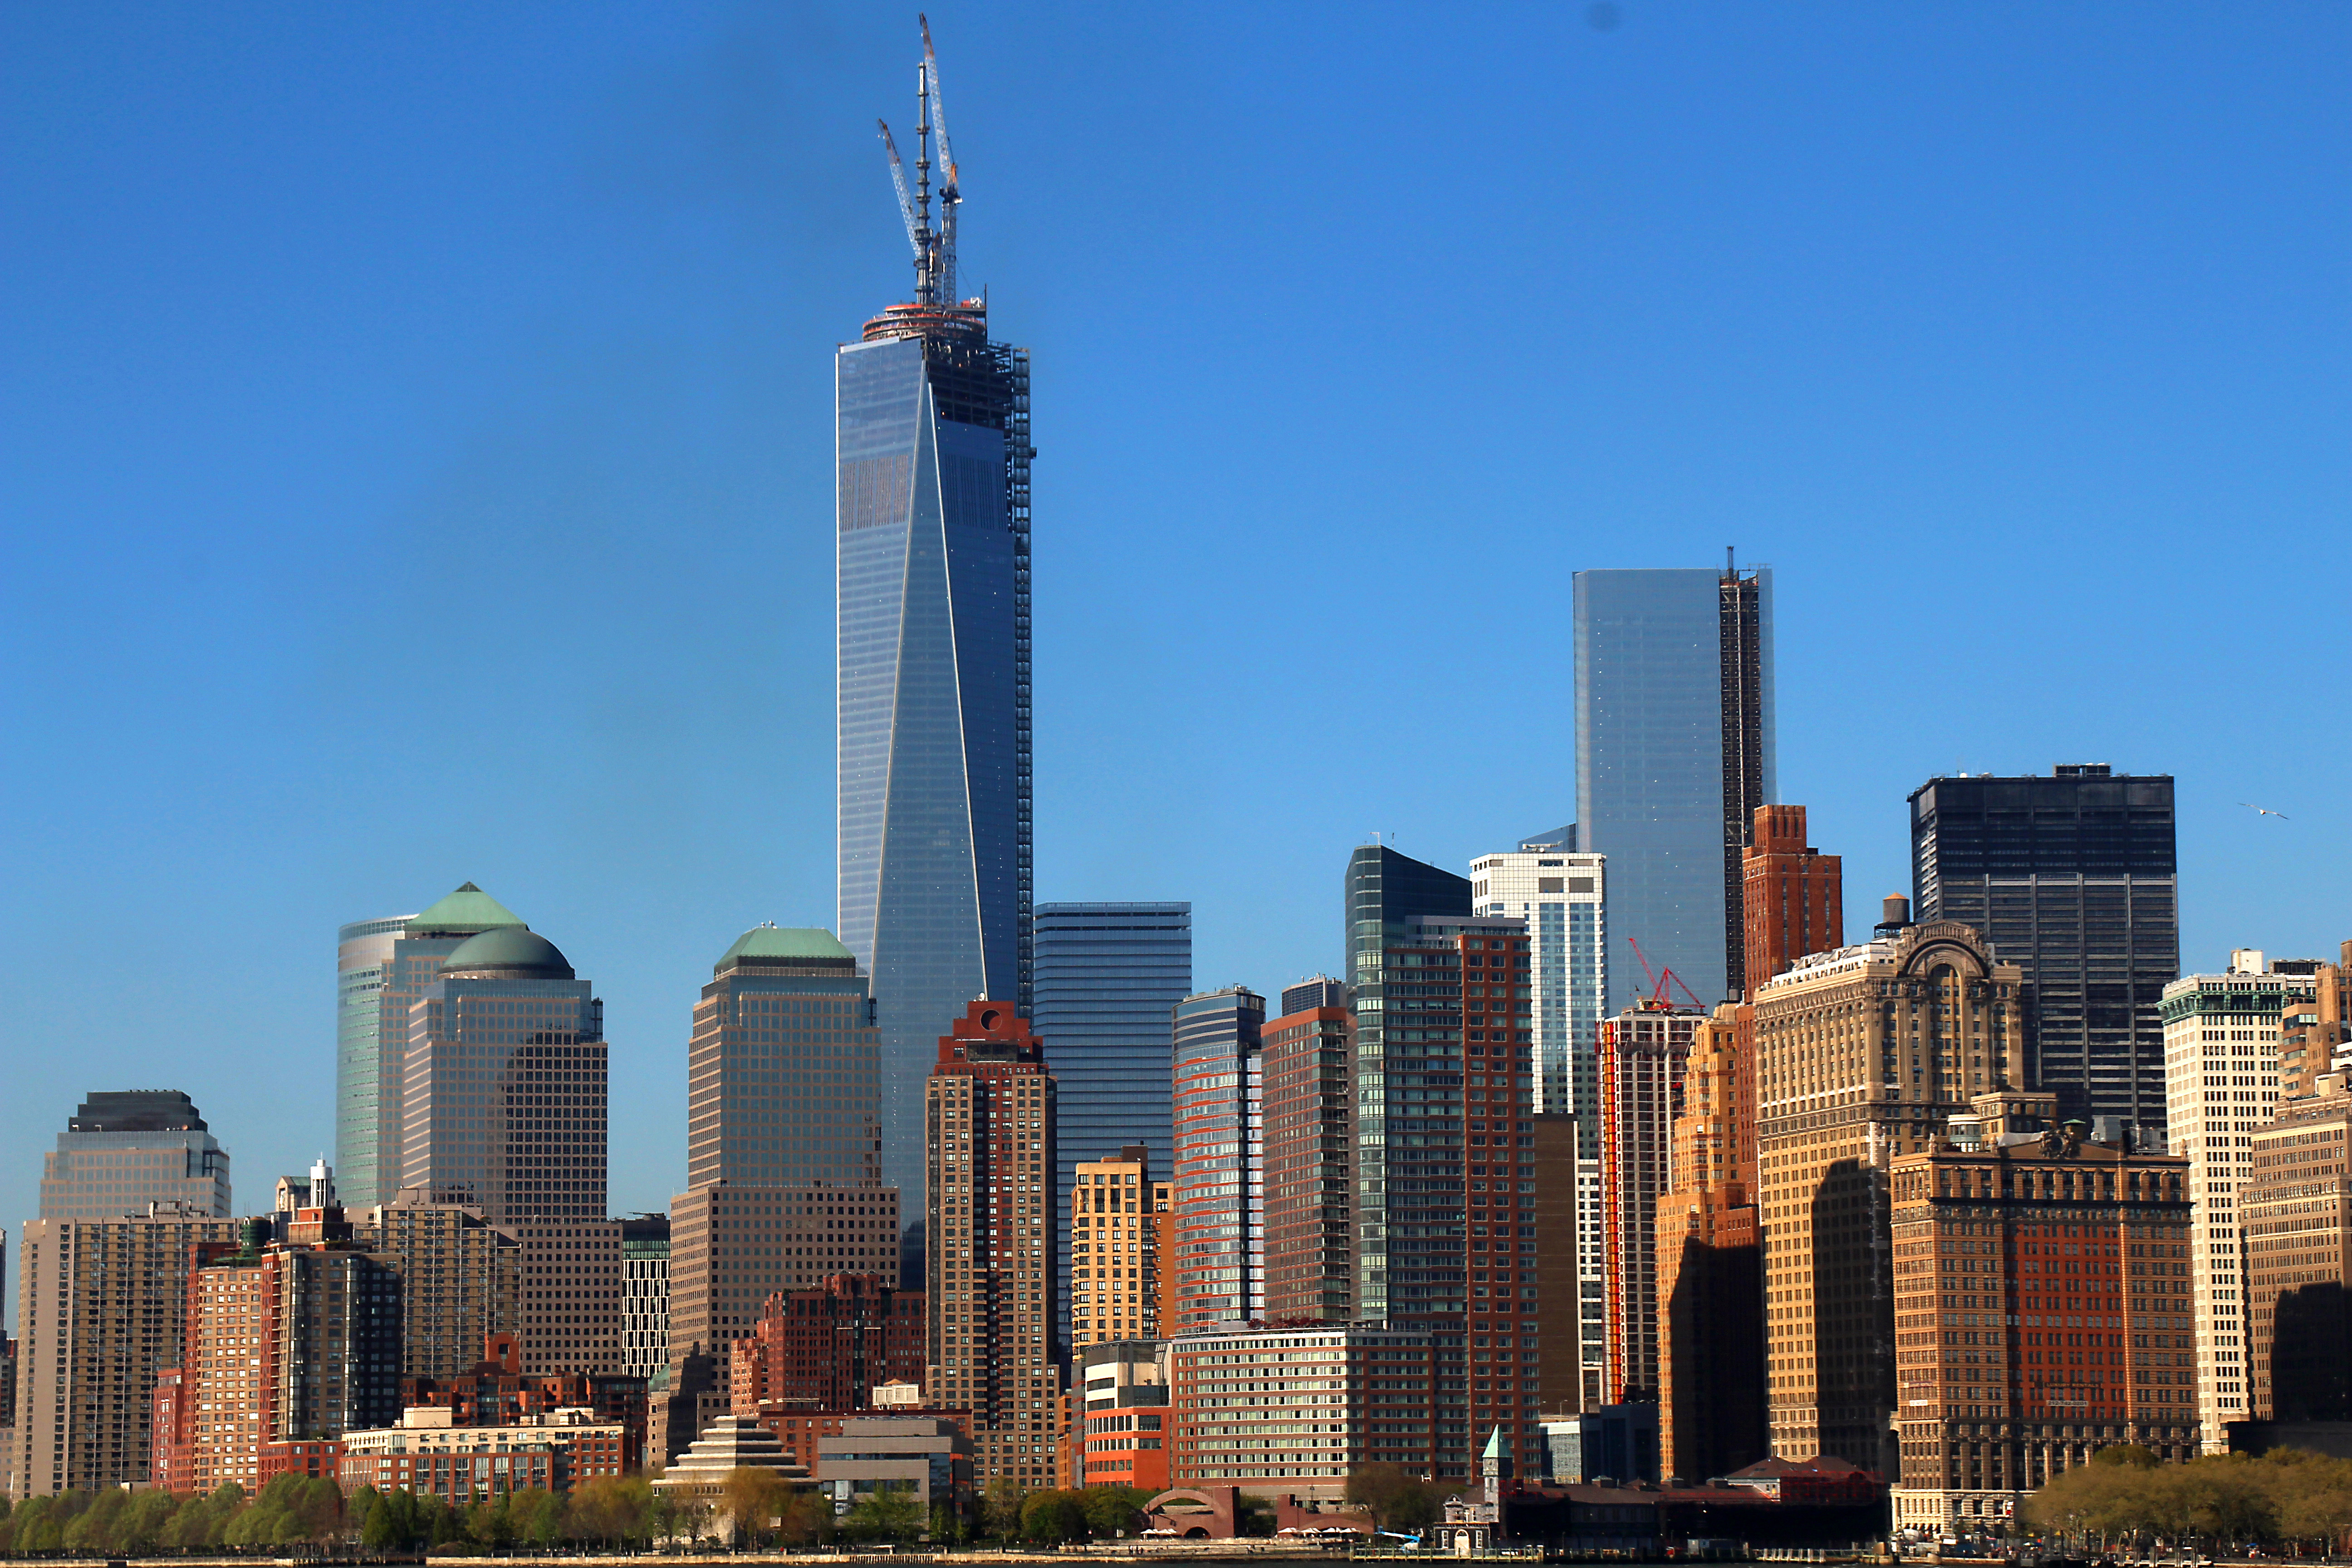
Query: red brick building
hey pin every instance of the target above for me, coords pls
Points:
(1308, 1070)
(1793, 896)
(496, 1392)
(825, 1349)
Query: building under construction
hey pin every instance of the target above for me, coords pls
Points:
(931, 440)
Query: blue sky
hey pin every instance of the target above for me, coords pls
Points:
(418, 432)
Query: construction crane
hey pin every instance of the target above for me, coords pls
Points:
(1658, 1001)
(951, 195)
(906, 202)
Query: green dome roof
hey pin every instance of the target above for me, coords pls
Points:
(774, 945)
(465, 912)
(509, 951)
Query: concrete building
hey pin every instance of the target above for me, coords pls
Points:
(1120, 1434)
(2036, 1309)
(1673, 753)
(125, 1150)
(100, 1311)
(2072, 877)
(1709, 1257)
(1107, 975)
(1645, 1055)
(1792, 895)
(827, 1349)
(2295, 1208)
(1219, 1176)
(1309, 1159)
(1562, 896)
(2221, 1064)
(1114, 1250)
(645, 1294)
(425, 1455)
(1863, 1054)
(990, 1116)
(1294, 1410)
(928, 1456)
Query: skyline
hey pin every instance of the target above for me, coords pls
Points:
(329, 408)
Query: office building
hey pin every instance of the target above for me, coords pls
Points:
(932, 570)
(1673, 754)
(1708, 1248)
(733, 1247)
(1114, 1250)
(1792, 895)
(1571, 1319)
(1120, 1433)
(1107, 976)
(1309, 1142)
(462, 1279)
(425, 1455)
(926, 1457)
(2070, 878)
(380, 967)
(506, 1110)
(828, 1348)
(123, 1151)
(1562, 896)
(1862, 1054)
(2220, 1051)
(645, 1295)
(784, 1068)
(1644, 1058)
(2316, 1036)
(2295, 1204)
(2036, 1309)
(989, 1114)
(101, 1310)
(1219, 1176)
(1294, 1410)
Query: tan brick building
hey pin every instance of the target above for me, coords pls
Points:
(1114, 1249)
(2296, 1208)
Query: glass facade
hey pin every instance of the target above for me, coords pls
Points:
(367, 1143)
(1107, 978)
(2072, 879)
(1659, 689)
(931, 584)
(124, 1150)
(1220, 1167)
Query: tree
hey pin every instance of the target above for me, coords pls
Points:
(1111, 1510)
(888, 1512)
(392, 1521)
(752, 1498)
(1254, 1515)
(1000, 1508)
(1053, 1517)
(1399, 1502)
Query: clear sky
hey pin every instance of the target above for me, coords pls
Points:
(415, 434)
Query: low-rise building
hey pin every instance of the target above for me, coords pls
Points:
(1296, 1409)
(496, 1392)
(427, 1454)
(1119, 1427)
(930, 1455)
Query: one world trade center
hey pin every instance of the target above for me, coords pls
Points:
(931, 583)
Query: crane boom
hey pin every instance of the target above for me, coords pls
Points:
(951, 195)
(899, 178)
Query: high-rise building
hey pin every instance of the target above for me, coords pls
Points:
(1385, 893)
(1107, 975)
(100, 1309)
(989, 1114)
(1862, 1054)
(2033, 1277)
(827, 1348)
(733, 1247)
(123, 1151)
(2316, 1036)
(1793, 895)
(2296, 1206)
(2221, 1056)
(381, 966)
(505, 1109)
(2070, 878)
(645, 1294)
(462, 1279)
(1673, 753)
(1709, 1258)
(1114, 1250)
(1563, 899)
(1644, 1059)
(932, 570)
(784, 1071)
(1219, 1177)
(1309, 1142)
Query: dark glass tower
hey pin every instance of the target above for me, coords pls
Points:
(1107, 978)
(1673, 753)
(931, 577)
(2072, 879)
(1220, 1167)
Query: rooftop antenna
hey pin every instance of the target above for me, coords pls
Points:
(927, 271)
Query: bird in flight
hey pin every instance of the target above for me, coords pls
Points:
(2265, 811)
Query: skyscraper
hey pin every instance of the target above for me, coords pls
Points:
(1644, 1058)
(2070, 878)
(931, 568)
(1220, 1172)
(1794, 896)
(1309, 1156)
(1107, 975)
(1115, 1250)
(124, 1150)
(382, 966)
(1673, 754)
(1563, 898)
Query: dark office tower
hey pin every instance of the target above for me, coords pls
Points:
(505, 1109)
(931, 575)
(382, 966)
(1673, 753)
(125, 1149)
(2072, 879)
(1319, 991)
(1220, 1170)
(1386, 892)
(784, 1071)
(1107, 975)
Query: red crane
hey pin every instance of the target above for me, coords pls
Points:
(1658, 1001)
